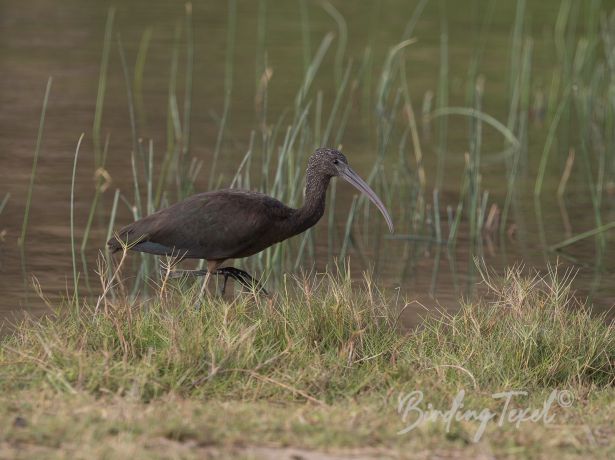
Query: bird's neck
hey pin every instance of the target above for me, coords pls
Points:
(314, 204)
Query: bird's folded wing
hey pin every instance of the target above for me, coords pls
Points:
(214, 225)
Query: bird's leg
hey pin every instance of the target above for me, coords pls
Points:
(212, 267)
(203, 272)
(179, 273)
(225, 275)
(241, 276)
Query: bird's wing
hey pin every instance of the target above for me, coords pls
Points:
(212, 225)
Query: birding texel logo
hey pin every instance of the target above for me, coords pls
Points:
(414, 411)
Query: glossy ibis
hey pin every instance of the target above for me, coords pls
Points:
(230, 224)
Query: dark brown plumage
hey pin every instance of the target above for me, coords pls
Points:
(231, 223)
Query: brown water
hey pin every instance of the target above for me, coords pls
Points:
(64, 40)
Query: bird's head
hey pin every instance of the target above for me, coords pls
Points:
(333, 163)
(327, 162)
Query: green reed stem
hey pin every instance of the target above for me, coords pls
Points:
(131, 107)
(483, 117)
(246, 159)
(436, 214)
(349, 222)
(341, 126)
(318, 119)
(150, 178)
(228, 83)
(4, 201)
(188, 88)
(72, 220)
(261, 37)
(582, 236)
(305, 35)
(522, 91)
(342, 29)
(475, 154)
(171, 130)
(336, 104)
(516, 59)
(102, 85)
(137, 208)
(100, 181)
(442, 96)
(116, 198)
(39, 138)
(312, 70)
(454, 230)
(542, 168)
(138, 77)
(331, 221)
(414, 19)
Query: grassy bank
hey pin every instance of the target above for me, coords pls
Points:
(324, 363)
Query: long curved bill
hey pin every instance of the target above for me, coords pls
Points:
(353, 178)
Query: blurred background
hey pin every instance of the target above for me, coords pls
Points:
(487, 127)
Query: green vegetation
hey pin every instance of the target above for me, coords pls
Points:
(242, 371)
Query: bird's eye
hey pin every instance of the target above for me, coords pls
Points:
(335, 162)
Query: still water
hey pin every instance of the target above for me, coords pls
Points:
(64, 40)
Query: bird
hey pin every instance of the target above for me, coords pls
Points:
(221, 225)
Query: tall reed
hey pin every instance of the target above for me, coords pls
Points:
(39, 139)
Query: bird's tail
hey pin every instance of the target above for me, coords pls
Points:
(114, 245)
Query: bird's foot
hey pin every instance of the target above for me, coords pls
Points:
(242, 277)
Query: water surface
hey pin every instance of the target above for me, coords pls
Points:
(64, 40)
